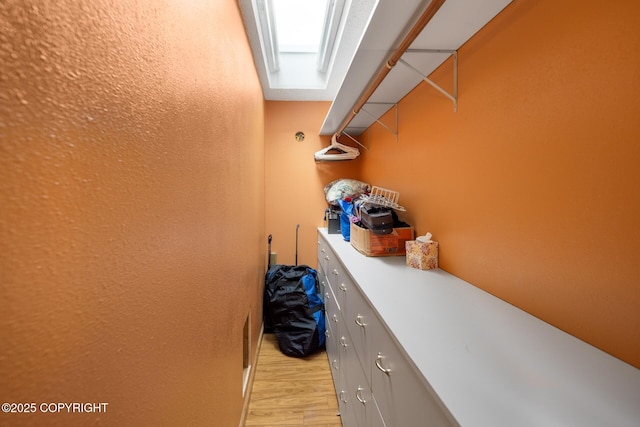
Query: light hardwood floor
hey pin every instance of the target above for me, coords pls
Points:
(291, 392)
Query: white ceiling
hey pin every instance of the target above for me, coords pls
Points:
(372, 30)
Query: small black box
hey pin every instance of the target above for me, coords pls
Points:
(332, 216)
(378, 220)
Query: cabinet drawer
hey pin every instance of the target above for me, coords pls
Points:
(402, 394)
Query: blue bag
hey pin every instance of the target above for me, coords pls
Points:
(345, 218)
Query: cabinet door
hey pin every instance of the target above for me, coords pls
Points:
(333, 356)
(361, 322)
(322, 280)
(339, 281)
(333, 322)
(323, 254)
(373, 415)
(332, 313)
(345, 403)
(403, 396)
(357, 385)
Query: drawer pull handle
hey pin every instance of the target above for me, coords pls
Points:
(342, 399)
(335, 272)
(335, 364)
(342, 287)
(343, 341)
(326, 257)
(359, 396)
(359, 321)
(326, 295)
(326, 334)
(335, 318)
(379, 365)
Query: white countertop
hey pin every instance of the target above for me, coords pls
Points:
(491, 363)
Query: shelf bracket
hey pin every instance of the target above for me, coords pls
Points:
(355, 140)
(395, 105)
(453, 97)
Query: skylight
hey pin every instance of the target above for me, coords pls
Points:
(303, 48)
(299, 24)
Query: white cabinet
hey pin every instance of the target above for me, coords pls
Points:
(412, 348)
(401, 393)
(353, 389)
(376, 386)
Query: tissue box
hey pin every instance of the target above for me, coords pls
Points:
(371, 244)
(423, 256)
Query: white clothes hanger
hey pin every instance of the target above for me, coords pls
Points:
(344, 152)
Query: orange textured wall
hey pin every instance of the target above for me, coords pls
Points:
(294, 182)
(531, 188)
(132, 218)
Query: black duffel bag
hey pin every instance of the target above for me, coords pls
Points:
(294, 309)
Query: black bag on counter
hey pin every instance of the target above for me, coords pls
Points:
(377, 219)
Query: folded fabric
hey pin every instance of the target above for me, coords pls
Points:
(343, 188)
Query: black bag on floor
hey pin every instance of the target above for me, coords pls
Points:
(293, 309)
